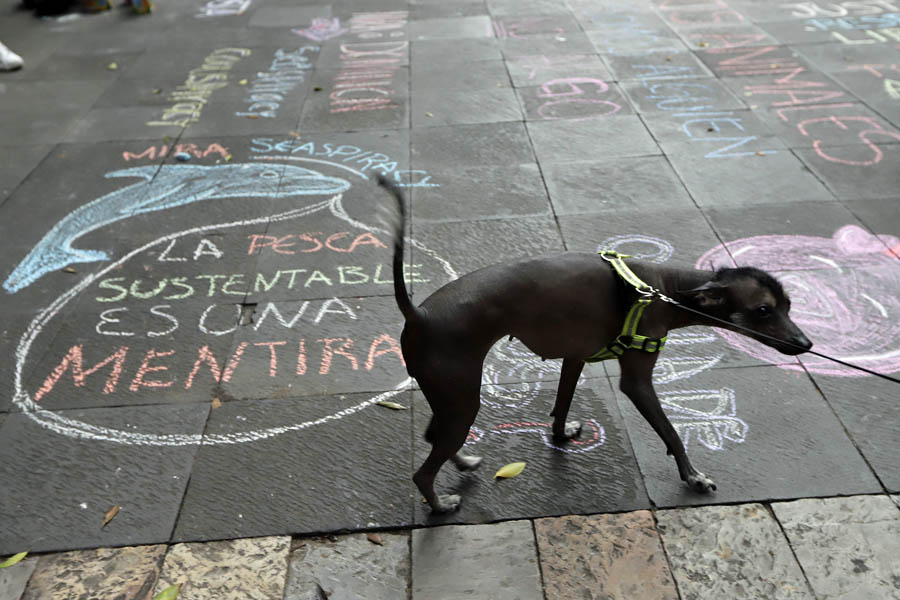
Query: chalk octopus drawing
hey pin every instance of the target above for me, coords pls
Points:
(172, 185)
(845, 294)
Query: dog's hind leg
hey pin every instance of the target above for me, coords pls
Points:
(568, 379)
(455, 407)
(637, 384)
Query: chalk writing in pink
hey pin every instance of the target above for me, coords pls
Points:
(575, 98)
(845, 294)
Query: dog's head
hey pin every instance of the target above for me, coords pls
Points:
(752, 300)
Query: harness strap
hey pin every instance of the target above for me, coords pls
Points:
(629, 339)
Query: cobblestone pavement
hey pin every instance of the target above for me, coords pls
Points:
(198, 323)
(810, 548)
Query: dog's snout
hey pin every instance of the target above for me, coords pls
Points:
(802, 341)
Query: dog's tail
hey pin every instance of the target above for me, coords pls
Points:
(399, 219)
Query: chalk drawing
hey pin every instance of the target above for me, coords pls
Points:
(675, 368)
(593, 435)
(172, 185)
(303, 181)
(840, 9)
(845, 294)
(321, 29)
(709, 416)
(642, 247)
(223, 8)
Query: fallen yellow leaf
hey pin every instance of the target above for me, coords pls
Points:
(15, 558)
(510, 470)
(70, 270)
(170, 593)
(216, 403)
(110, 514)
(389, 404)
(375, 539)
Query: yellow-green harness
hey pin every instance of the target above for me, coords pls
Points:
(629, 339)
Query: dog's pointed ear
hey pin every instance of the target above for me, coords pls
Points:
(711, 293)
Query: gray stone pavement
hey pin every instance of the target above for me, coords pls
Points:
(197, 317)
(803, 549)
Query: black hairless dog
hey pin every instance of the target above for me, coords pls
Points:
(569, 306)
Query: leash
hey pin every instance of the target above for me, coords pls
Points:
(665, 298)
(650, 292)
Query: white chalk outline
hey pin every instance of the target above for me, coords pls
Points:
(78, 429)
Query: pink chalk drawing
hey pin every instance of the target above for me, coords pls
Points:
(322, 29)
(845, 295)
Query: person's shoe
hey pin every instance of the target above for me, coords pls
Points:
(9, 60)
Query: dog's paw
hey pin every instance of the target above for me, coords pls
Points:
(700, 483)
(572, 429)
(446, 503)
(467, 463)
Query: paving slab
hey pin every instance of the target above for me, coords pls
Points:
(525, 7)
(334, 105)
(847, 169)
(574, 99)
(491, 561)
(376, 566)
(451, 28)
(61, 486)
(864, 407)
(640, 183)
(325, 346)
(481, 192)
(603, 556)
(483, 74)
(762, 62)
(471, 145)
(730, 552)
(730, 134)
(779, 219)
(18, 163)
(734, 35)
(534, 70)
(461, 107)
(736, 442)
(680, 96)
(454, 51)
(757, 178)
(14, 579)
(573, 140)
(250, 568)
(554, 44)
(846, 546)
(656, 66)
(827, 128)
(676, 237)
(524, 24)
(129, 573)
(475, 244)
(280, 446)
(593, 473)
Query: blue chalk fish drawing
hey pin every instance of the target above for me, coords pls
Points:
(172, 185)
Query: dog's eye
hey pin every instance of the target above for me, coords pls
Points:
(763, 311)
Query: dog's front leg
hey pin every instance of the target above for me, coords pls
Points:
(637, 384)
(568, 379)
